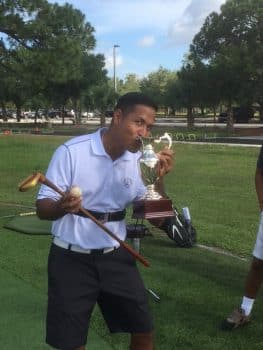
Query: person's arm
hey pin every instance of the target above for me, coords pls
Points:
(259, 186)
(49, 209)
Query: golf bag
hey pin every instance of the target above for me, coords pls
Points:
(180, 229)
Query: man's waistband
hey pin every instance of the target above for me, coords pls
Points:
(75, 248)
(105, 217)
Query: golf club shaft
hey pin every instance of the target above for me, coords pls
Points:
(135, 254)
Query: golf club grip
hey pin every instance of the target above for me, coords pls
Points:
(135, 254)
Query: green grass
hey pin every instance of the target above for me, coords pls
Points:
(23, 313)
(21, 155)
(198, 288)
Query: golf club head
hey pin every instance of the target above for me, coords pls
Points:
(30, 182)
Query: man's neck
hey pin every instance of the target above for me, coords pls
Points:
(111, 145)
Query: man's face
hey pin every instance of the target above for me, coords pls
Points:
(133, 125)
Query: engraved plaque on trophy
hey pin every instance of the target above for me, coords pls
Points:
(152, 204)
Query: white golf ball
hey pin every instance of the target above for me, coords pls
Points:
(76, 191)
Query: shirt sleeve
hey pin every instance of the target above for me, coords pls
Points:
(260, 159)
(59, 173)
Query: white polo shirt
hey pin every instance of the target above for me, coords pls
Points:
(107, 186)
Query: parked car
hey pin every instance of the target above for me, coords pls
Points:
(54, 114)
(222, 118)
(240, 115)
(109, 114)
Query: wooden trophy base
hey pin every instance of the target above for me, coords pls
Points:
(152, 208)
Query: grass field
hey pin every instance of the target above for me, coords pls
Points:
(197, 287)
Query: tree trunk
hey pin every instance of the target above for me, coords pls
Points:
(230, 120)
(63, 115)
(214, 112)
(261, 113)
(102, 120)
(35, 116)
(76, 107)
(18, 113)
(171, 111)
(4, 112)
(190, 117)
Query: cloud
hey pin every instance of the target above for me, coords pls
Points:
(183, 29)
(130, 15)
(169, 25)
(147, 41)
(178, 20)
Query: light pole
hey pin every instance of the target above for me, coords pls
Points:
(114, 67)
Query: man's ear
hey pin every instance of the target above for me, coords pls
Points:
(117, 116)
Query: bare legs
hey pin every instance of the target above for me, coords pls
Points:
(254, 278)
(141, 341)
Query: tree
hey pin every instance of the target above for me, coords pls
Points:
(130, 83)
(233, 40)
(92, 73)
(185, 90)
(155, 85)
(45, 47)
(101, 98)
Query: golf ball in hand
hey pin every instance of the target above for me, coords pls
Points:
(76, 191)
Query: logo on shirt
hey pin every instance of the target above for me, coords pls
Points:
(127, 181)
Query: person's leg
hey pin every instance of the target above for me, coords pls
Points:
(72, 294)
(141, 341)
(241, 316)
(255, 275)
(123, 299)
(254, 278)
(253, 282)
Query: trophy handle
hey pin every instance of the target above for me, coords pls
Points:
(167, 137)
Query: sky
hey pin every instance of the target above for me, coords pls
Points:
(149, 33)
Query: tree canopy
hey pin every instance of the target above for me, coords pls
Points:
(47, 49)
(233, 41)
(47, 59)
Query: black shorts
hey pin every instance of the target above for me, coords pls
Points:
(77, 281)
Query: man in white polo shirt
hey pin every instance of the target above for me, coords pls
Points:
(86, 266)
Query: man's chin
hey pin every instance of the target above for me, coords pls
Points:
(134, 148)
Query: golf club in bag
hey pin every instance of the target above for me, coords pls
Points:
(179, 228)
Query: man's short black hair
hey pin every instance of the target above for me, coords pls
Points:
(128, 101)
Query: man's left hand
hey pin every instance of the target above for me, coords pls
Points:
(166, 157)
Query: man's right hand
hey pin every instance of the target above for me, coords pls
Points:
(70, 203)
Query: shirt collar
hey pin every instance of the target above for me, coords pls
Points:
(98, 148)
(96, 142)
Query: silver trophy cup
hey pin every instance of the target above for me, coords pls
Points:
(152, 204)
(149, 163)
(149, 170)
